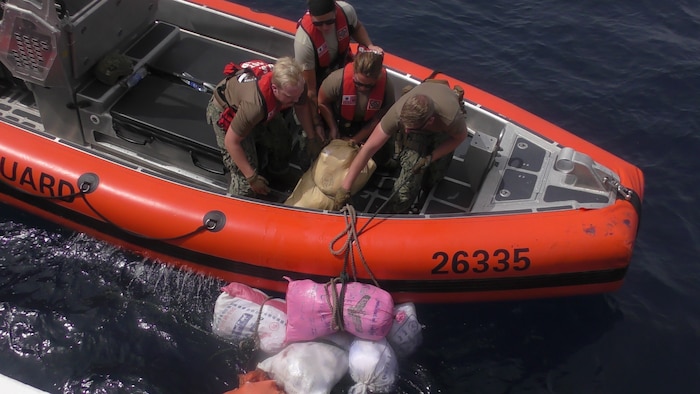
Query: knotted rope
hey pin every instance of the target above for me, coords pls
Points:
(335, 299)
(352, 238)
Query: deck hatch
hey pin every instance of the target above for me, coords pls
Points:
(516, 185)
(527, 156)
(555, 193)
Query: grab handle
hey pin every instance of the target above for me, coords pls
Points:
(132, 134)
(207, 164)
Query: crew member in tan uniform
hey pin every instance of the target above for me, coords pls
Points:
(254, 136)
(353, 99)
(431, 117)
(321, 45)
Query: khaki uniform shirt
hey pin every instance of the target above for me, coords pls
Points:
(448, 114)
(249, 103)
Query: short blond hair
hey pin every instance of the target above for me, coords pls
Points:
(416, 111)
(287, 72)
(368, 63)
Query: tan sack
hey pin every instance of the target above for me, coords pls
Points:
(318, 185)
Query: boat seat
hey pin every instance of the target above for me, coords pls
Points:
(480, 157)
(164, 107)
(159, 108)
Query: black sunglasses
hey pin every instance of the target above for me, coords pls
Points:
(326, 22)
(363, 85)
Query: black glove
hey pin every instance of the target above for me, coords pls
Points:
(422, 164)
(258, 184)
(341, 198)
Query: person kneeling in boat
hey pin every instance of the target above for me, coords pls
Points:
(353, 99)
(245, 113)
(322, 45)
(430, 115)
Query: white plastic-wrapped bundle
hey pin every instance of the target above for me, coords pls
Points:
(307, 367)
(242, 312)
(406, 333)
(341, 339)
(373, 366)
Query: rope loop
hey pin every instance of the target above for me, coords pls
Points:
(350, 216)
(346, 248)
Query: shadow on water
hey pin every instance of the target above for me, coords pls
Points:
(508, 347)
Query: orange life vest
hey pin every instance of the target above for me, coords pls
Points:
(343, 33)
(257, 71)
(349, 96)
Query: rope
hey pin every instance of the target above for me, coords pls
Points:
(246, 346)
(104, 218)
(65, 197)
(83, 192)
(253, 344)
(336, 303)
(257, 322)
(384, 204)
(351, 234)
(352, 238)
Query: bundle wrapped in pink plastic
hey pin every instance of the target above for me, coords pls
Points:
(367, 310)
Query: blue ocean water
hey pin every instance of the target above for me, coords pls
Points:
(80, 316)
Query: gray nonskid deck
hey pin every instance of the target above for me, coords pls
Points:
(17, 107)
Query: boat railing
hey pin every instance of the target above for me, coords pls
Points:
(256, 38)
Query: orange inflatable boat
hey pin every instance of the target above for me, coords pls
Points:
(526, 210)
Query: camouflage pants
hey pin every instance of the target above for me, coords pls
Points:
(408, 185)
(267, 148)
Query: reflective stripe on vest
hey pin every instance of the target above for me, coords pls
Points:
(349, 95)
(323, 58)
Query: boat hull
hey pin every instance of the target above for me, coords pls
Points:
(453, 259)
